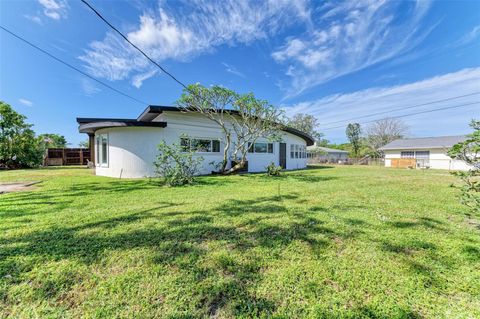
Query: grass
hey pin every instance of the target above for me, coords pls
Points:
(336, 242)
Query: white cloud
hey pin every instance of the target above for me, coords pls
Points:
(354, 35)
(138, 79)
(340, 109)
(231, 69)
(470, 36)
(25, 102)
(54, 9)
(88, 87)
(34, 18)
(199, 27)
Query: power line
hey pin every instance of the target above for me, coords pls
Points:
(402, 108)
(72, 67)
(138, 49)
(410, 114)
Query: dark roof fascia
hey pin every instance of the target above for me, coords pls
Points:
(81, 120)
(152, 111)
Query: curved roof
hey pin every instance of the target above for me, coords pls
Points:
(90, 125)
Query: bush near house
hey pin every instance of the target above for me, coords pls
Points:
(336, 242)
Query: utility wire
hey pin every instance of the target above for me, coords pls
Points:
(410, 114)
(72, 67)
(402, 108)
(138, 49)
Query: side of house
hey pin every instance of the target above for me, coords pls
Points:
(128, 147)
(429, 152)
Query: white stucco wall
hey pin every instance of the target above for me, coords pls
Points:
(438, 159)
(132, 150)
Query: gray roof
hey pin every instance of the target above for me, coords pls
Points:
(326, 149)
(424, 142)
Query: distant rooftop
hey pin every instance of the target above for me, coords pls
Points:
(326, 149)
(424, 142)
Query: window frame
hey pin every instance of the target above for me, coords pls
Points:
(190, 147)
(403, 154)
(269, 147)
(298, 151)
(99, 151)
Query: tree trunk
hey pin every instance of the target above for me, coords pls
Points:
(237, 167)
(225, 153)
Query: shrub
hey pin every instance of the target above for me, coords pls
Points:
(469, 152)
(177, 166)
(273, 170)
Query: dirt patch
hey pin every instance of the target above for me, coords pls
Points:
(16, 187)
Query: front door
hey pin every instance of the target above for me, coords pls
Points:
(282, 160)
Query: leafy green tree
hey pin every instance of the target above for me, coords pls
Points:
(469, 152)
(306, 123)
(353, 133)
(50, 140)
(18, 145)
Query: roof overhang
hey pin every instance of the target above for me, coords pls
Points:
(91, 125)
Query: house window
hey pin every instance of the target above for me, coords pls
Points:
(407, 154)
(102, 149)
(260, 147)
(422, 154)
(200, 145)
(298, 151)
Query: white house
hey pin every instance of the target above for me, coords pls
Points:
(319, 154)
(425, 152)
(128, 147)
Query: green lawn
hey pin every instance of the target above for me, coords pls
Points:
(335, 242)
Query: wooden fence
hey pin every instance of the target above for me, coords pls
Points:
(403, 163)
(67, 156)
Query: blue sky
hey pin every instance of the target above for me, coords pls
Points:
(335, 60)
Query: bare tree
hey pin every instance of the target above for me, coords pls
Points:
(252, 119)
(242, 118)
(383, 131)
(213, 103)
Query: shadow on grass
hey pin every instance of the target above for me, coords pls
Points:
(178, 242)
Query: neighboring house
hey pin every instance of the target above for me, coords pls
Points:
(425, 152)
(319, 154)
(128, 147)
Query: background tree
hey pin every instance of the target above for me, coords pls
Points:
(50, 140)
(353, 133)
(306, 123)
(84, 144)
(18, 145)
(469, 152)
(384, 131)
